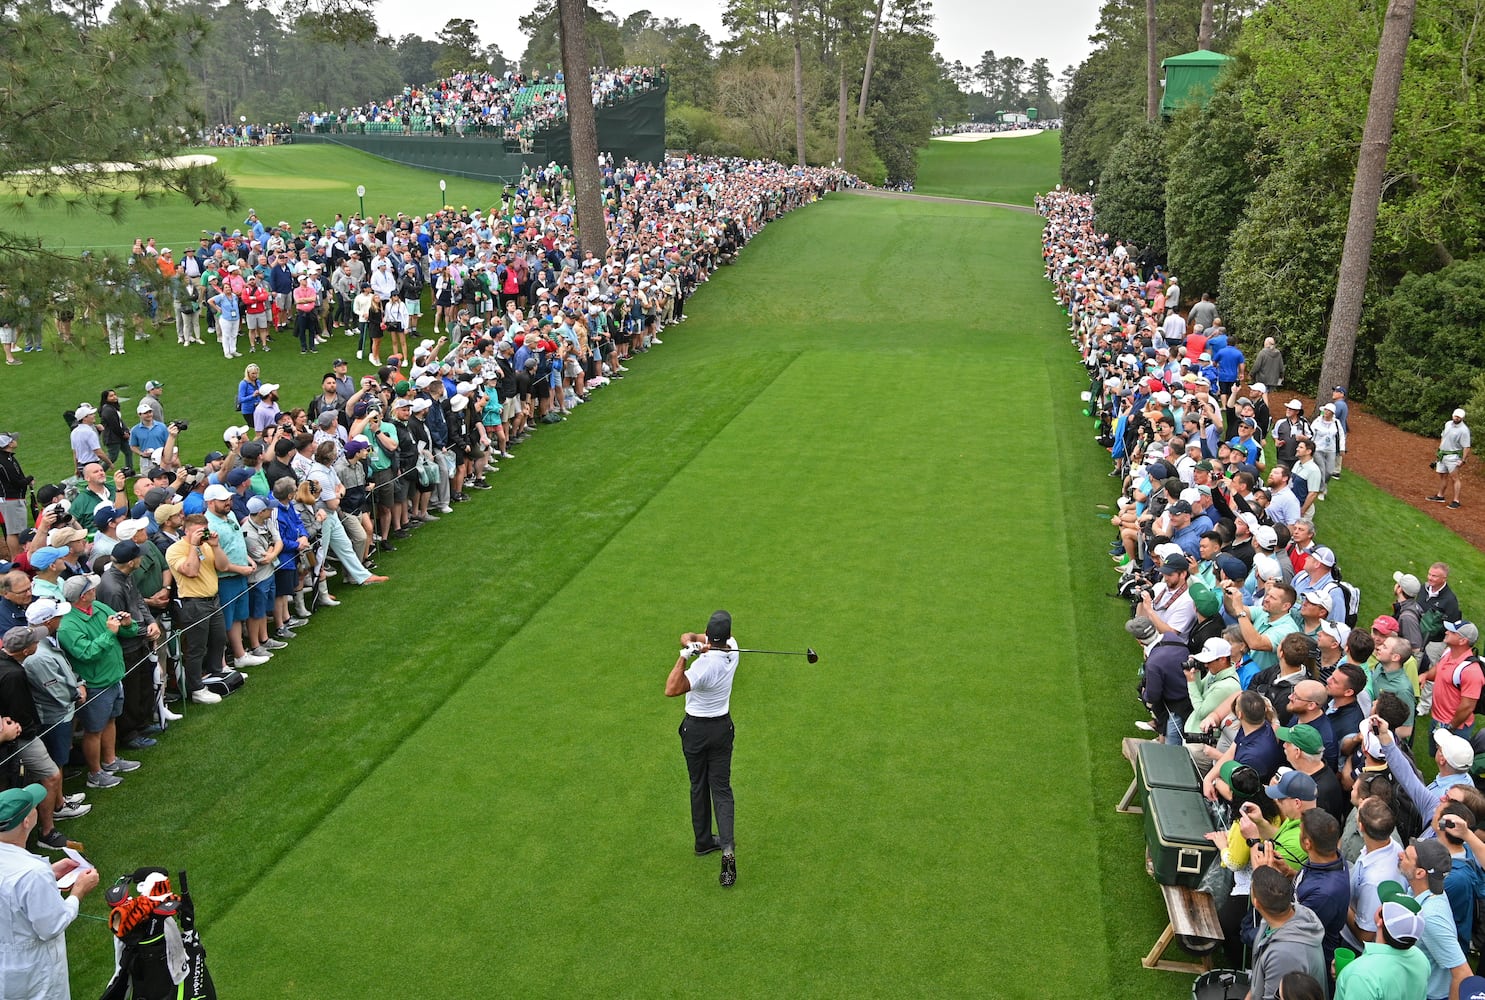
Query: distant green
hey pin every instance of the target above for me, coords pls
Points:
(1012, 171)
(289, 183)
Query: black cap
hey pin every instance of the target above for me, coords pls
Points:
(719, 627)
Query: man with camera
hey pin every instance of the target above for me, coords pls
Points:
(1211, 680)
(89, 635)
(1255, 744)
(117, 587)
(195, 560)
(1168, 603)
(147, 436)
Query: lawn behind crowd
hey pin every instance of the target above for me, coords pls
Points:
(470, 777)
(289, 183)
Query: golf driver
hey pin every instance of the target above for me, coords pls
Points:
(808, 654)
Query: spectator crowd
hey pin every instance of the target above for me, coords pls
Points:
(1345, 866)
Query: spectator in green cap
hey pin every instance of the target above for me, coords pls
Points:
(33, 946)
(1304, 750)
(1208, 623)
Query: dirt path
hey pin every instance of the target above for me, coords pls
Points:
(1397, 461)
(909, 196)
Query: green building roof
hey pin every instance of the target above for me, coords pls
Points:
(1189, 79)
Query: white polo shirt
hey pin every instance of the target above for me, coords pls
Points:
(711, 676)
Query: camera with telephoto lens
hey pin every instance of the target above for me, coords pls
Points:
(1192, 663)
(1207, 737)
(61, 517)
(1135, 585)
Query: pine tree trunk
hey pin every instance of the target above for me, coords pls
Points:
(871, 56)
(798, 88)
(1152, 65)
(588, 199)
(1366, 194)
(842, 105)
(1207, 29)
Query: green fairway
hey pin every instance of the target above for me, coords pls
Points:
(519, 764)
(282, 182)
(1012, 171)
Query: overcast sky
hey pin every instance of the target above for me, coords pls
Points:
(1055, 29)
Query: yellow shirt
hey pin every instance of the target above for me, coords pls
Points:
(204, 585)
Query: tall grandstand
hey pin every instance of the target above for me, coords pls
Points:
(488, 126)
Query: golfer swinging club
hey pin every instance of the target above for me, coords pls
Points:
(706, 733)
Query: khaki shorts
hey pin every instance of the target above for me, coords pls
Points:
(14, 514)
(257, 321)
(37, 762)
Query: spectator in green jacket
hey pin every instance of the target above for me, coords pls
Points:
(90, 637)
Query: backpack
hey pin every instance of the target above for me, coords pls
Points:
(70, 417)
(1405, 812)
(1431, 622)
(1300, 488)
(1352, 595)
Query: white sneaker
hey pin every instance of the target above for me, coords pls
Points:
(249, 660)
(170, 716)
(358, 355)
(201, 696)
(376, 360)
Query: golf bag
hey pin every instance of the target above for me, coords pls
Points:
(224, 682)
(158, 955)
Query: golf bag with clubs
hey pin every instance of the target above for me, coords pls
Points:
(158, 954)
